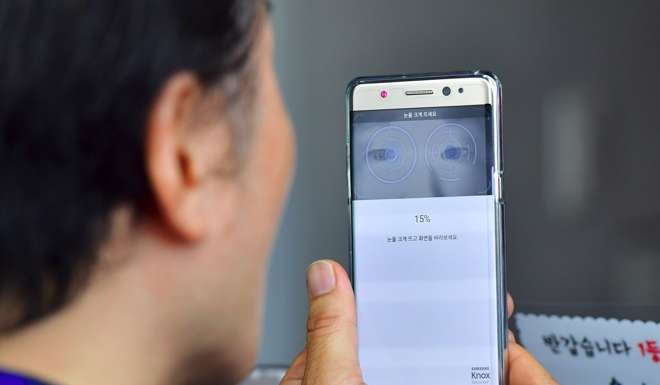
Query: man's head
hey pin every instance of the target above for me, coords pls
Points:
(144, 150)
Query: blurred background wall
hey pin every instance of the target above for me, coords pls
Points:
(581, 137)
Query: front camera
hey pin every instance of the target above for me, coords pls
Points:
(383, 94)
(446, 91)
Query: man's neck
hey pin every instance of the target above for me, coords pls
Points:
(104, 337)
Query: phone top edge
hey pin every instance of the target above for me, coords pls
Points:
(421, 93)
(420, 76)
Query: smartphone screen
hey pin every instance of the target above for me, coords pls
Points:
(424, 245)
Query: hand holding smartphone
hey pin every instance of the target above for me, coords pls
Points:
(424, 164)
(426, 209)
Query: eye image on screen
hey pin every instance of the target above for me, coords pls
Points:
(391, 154)
(441, 154)
(451, 152)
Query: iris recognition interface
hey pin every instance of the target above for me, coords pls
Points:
(424, 245)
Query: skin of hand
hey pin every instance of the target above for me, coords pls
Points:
(330, 356)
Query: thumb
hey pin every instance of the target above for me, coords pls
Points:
(524, 369)
(332, 357)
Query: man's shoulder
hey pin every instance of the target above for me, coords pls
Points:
(14, 378)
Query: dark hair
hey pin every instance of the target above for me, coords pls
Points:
(77, 79)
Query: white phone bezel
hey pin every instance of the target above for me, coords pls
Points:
(368, 97)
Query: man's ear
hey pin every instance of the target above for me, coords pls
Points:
(173, 171)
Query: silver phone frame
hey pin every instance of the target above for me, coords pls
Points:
(495, 90)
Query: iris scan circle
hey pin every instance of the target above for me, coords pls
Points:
(391, 154)
(450, 152)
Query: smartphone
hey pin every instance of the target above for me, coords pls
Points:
(426, 212)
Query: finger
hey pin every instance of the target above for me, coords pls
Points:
(294, 375)
(331, 330)
(525, 369)
(510, 306)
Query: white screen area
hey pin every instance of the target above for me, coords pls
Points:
(424, 253)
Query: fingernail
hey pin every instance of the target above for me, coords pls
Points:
(320, 278)
(511, 336)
